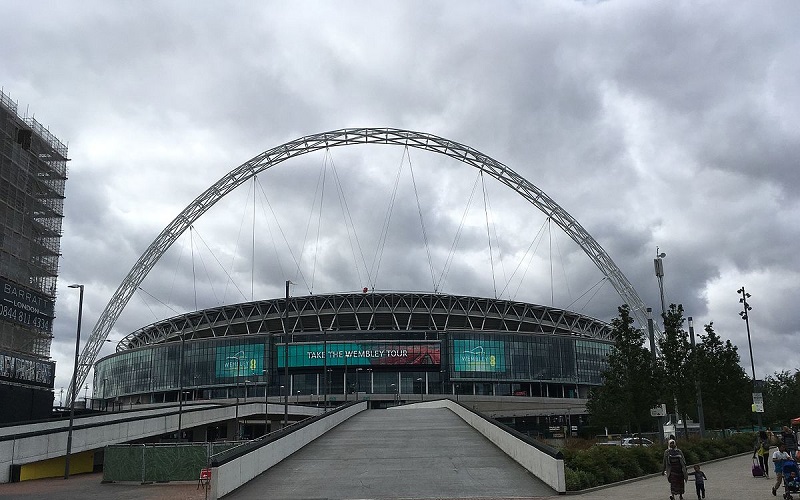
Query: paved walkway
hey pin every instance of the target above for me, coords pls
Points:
(424, 453)
(391, 455)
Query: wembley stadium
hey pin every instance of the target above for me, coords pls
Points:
(386, 347)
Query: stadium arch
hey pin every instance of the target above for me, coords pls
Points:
(336, 138)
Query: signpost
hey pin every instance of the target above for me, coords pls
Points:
(758, 402)
(660, 412)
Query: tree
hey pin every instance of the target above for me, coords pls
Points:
(723, 382)
(782, 397)
(627, 394)
(675, 365)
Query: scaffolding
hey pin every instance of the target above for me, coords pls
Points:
(33, 173)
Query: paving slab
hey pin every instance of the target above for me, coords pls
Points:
(391, 455)
(427, 453)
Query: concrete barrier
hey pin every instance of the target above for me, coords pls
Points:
(228, 476)
(541, 461)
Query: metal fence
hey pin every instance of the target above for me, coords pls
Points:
(159, 462)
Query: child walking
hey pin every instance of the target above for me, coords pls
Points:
(699, 482)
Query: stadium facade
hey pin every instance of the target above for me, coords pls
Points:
(33, 173)
(382, 345)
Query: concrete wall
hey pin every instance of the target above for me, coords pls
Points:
(540, 464)
(18, 447)
(237, 472)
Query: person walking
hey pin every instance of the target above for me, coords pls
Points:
(675, 469)
(761, 450)
(789, 438)
(779, 457)
(699, 482)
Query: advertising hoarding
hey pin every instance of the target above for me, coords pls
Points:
(26, 370)
(360, 354)
(239, 360)
(479, 356)
(24, 306)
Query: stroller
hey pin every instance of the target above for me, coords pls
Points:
(791, 479)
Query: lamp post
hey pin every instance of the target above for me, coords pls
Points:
(297, 398)
(658, 263)
(279, 395)
(286, 357)
(745, 314)
(180, 389)
(325, 368)
(421, 394)
(358, 382)
(266, 403)
(237, 392)
(74, 377)
(700, 415)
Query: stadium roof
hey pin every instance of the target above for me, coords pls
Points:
(371, 311)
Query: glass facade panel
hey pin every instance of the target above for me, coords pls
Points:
(481, 363)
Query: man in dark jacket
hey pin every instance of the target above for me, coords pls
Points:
(789, 438)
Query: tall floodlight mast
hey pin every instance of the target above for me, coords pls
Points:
(348, 137)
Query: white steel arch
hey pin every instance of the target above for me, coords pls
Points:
(346, 137)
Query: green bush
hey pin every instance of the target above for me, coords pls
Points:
(579, 480)
(598, 465)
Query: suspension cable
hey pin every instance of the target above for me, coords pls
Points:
(488, 234)
(285, 239)
(376, 262)
(236, 247)
(537, 238)
(601, 281)
(194, 276)
(253, 247)
(550, 255)
(227, 274)
(563, 268)
(349, 224)
(147, 304)
(457, 238)
(421, 219)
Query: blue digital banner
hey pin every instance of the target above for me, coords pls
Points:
(479, 356)
(240, 360)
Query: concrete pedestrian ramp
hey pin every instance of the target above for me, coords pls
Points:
(392, 454)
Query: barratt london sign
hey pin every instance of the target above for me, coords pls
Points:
(24, 306)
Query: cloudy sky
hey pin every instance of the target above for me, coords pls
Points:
(669, 125)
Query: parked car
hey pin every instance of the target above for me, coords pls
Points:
(636, 441)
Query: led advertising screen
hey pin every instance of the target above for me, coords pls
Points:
(479, 356)
(360, 354)
(240, 360)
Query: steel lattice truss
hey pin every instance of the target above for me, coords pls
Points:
(346, 137)
(377, 311)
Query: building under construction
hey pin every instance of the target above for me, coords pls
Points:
(33, 171)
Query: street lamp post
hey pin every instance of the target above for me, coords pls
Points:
(658, 262)
(358, 382)
(286, 357)
(266, 402)
(745, 314)
(279, 395)
(237, 392)
(325, 368)
(700, 415)
(180, 389)
(74, 377)
(297, 398)
(421, 393)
